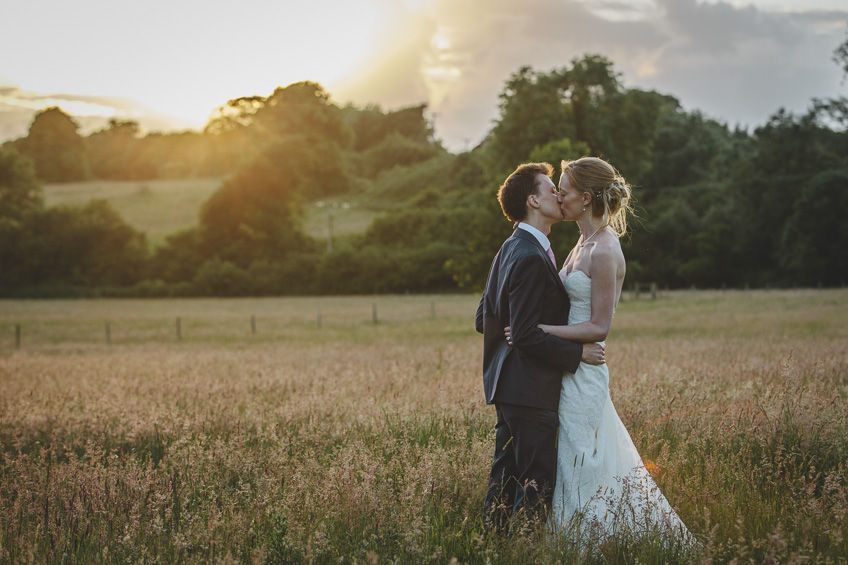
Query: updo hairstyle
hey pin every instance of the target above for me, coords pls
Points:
(609, 191)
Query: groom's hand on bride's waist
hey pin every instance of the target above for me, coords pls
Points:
(593, 354)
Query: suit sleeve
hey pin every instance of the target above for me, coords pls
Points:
(526, 305)
(478, 323)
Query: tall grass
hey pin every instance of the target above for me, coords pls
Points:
(362, 442)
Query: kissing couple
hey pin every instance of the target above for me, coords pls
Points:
(562, 456)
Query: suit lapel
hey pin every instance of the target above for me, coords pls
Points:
(527, 236)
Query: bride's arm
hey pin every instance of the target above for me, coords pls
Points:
(602, 270)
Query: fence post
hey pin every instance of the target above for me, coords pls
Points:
(17, 336)
(179, 330)
(653, 291)
(108, 334)
(252, 324)
(636, 290)
(374, 312)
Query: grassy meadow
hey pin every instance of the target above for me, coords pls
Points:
(325, 437)
(156, 207)
(162, 207)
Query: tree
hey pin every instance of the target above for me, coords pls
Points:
(371, 126)
(79, 246)
(584, 103)
(302, 109)
(112, 150)
(840, 56)
(20, 198)
(394, 150)
(815, 237)
(254, 215)
(688, 149)
(589, 85)
(532, 115)
(20, 192)
(55, 147)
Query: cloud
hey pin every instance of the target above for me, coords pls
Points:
(395, 77)
(19, 107)
(737, 64)
(719, 29)
(741, 64)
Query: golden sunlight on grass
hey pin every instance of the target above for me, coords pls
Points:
(359, 441)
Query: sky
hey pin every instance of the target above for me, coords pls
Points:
(169, 63)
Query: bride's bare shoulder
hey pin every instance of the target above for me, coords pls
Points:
(607, 244)
(607, 249)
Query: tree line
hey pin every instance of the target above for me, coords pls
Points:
(716, 206)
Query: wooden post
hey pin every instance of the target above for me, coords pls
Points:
(108, 334)
(374, 312)
(17, 336)
(636, 290)
(653, 291)
(319, 318)
(330, 229)
(179, 329)
(252, 324)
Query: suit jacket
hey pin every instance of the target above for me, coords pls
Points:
(523, 290)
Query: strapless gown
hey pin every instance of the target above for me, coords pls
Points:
(602, 486)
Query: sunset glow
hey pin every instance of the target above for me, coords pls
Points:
(179, 61)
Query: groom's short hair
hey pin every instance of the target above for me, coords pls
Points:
(518, 186)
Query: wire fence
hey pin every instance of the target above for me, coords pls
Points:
(219, 320)
(39, 323)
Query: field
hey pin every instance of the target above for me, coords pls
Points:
(156, 207)
(161, 207)
(350, 441)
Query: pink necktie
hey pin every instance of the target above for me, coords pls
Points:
(551, 255)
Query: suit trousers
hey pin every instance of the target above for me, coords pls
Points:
(523, 472)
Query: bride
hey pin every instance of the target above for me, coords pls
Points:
(602, 486)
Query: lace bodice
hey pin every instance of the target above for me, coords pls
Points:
(578, 285)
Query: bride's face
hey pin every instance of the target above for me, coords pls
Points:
(572, 200)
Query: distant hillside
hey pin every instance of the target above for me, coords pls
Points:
(162, 207)
(156, 207)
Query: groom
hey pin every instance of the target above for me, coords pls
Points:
(523, 380)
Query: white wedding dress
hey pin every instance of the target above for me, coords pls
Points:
(602, 486)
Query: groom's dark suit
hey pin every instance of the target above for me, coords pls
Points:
(524, 380)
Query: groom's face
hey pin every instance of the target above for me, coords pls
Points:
(547, 197)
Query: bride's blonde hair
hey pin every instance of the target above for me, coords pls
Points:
(610, 193)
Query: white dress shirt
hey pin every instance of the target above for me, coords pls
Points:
(542, 238)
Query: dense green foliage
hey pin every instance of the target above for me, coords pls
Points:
(715, 206)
